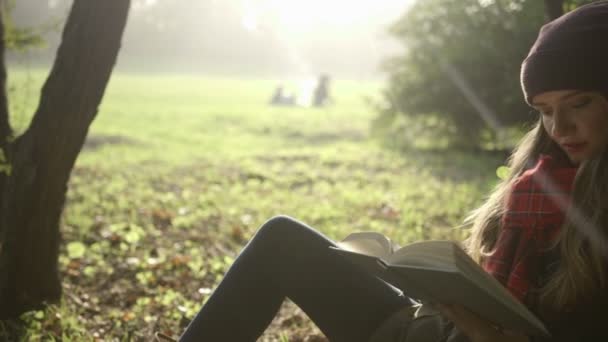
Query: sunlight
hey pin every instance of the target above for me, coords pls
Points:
(297, 16)
(299, 27)
(249, 22)
(303, 15)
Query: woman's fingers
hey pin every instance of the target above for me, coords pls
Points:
(475, 327)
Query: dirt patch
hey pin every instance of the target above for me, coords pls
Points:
(322, 138)
(95, 142)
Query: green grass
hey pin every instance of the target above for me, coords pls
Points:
(179, 171)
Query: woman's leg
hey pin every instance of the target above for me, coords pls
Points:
(289, 259)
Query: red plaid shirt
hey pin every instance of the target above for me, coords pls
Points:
(534, 214)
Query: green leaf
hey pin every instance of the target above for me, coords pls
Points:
(132, 237)
(90, 271)
(39, 314)
(4, 168)
(503, 172)
(76, 249)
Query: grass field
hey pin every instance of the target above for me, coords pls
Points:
(179, 171)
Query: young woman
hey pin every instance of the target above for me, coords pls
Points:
(542, 233)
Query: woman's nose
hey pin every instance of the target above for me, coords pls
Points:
(562, 125)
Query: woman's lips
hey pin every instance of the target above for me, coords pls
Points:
(574, 147)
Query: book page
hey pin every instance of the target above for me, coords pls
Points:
(368, 243)
(432, 254)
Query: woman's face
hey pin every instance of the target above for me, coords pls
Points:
(576, 120)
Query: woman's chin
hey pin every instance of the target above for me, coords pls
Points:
(578, 157)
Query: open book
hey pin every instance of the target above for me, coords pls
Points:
(440, 271)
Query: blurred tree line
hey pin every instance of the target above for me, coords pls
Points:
(211, 36)
(457, 83)
(159, 32)
(19, 38)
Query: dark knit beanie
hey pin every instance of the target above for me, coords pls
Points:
(570, 53)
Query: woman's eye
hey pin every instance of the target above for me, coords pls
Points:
(581, 102)
(545, 112)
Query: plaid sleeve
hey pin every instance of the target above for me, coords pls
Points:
(533, 216)
(508, 261)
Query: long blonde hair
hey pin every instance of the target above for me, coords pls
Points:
(581, 242)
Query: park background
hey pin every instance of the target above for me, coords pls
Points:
(186, 157)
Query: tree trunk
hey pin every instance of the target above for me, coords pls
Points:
(33, 193)
(554, 9)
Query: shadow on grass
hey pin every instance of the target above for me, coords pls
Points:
(95, 142)
(322, 138)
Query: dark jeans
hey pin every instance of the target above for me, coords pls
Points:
(287, 259)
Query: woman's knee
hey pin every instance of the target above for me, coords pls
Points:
(281, 228)
(280, 221)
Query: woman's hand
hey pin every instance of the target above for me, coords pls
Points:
(477, 328)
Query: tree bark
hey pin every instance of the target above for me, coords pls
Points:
(33, 194)
(554, 9)
(5, 128)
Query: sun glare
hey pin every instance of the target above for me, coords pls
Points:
(303, 15)
(250, 22)
(304, 30)
(298, 16)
